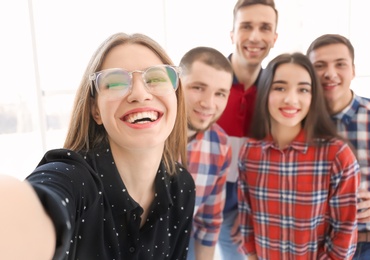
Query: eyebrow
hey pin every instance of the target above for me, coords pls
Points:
(263, 23)
(224, 90)
(285, 82)
(336, 60)
(200, 83)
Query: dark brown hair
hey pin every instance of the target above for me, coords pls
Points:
(245, 3)
(317, 123)
(328, 39)
(206, 55)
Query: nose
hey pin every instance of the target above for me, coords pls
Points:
(255, 35)
(138, 91)
(207, 100)
(291, 97)
(330, 72)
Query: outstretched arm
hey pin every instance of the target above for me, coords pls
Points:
(26, 231)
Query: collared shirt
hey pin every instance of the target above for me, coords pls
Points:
(236, 120)
(237, 116)
(353, 123)
(96, 218)
(209, 157)
(300, 202)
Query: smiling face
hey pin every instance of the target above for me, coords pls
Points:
(290, 98)
(206, 93)
(254, 33)
(335, 69)
(138, 120)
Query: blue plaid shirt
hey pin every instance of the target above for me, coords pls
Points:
(209, 157)
(353, 123)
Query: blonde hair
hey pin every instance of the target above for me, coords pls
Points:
(84, 134)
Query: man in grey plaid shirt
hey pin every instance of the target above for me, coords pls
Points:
(333, 58)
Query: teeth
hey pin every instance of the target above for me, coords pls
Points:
(142, 117)
(253, 49)
(290, 111)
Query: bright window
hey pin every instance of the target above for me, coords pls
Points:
(46, 46)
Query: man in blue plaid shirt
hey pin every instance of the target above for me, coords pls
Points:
(333, 58)
(206, 79)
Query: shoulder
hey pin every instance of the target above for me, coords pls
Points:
(64, 167)
(63, 157)
(363, 102)
(181, 186)
(337, 143)
(253, 147)
(217, 132)
(181, 180)
(217, 128)
(182, 175)
(251, 142)
(340, 149)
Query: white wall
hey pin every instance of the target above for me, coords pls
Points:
(44, 52)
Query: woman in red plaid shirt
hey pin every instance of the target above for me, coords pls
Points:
(298, 178)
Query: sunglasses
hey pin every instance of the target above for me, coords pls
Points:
(115, 83)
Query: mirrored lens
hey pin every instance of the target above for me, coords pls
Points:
(160, 80)
(114, 83)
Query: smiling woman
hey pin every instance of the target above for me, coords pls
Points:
(51, 51)
(288, 167)
(116, 190)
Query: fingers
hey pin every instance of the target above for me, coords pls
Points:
(363, 194)
(237, 240)
(363, 220)
(363, 206)
(363, 215)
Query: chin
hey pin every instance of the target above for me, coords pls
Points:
(198, 128)
(204, 127)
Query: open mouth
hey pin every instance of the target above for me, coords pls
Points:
(254, 49)
(142, 117)
(289, 111)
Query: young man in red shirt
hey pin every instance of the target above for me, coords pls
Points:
(253, 35)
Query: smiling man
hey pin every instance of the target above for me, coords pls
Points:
(206, 79)
(333, 58)
(253, 35)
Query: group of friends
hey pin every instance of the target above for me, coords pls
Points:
(165, 161)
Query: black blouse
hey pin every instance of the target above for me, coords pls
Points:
(96, 218)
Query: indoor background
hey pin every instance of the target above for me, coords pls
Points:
(45, 46)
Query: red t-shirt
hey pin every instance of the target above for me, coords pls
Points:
(237, 116)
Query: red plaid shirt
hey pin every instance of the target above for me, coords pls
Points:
(300, 202)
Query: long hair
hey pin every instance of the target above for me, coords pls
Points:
(317, 123)
(84, 134)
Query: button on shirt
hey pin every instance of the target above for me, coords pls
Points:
(300, 202)
(96, 218)
(209, 157)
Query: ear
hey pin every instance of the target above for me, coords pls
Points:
(232, 36)
(95, 113)
(275, 38)
(353, 71)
